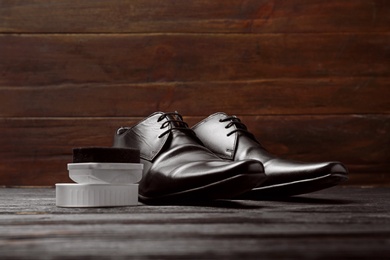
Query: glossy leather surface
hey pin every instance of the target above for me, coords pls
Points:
(176, 163)
(229, 139)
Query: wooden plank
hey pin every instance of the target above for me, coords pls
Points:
(253, 16)
(347, 138)
(368, 180)
(115, 58)
(258, 97)
(351, 222)
(34, 151)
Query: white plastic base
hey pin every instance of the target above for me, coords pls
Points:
(105, 173)
(96, 195)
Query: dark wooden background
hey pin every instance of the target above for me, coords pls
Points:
(309, 78)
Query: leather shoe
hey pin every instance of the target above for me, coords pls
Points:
(177, 167)
(230, 139)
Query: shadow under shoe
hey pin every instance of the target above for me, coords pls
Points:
(230, 139)
(178, 168)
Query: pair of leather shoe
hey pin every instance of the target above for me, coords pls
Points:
(218, 158)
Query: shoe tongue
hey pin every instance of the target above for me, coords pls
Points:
(180, 137)
(239, 125)
(176, 120)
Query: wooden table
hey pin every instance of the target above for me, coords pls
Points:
(342, 222)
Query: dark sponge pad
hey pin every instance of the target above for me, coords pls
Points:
(106, 155)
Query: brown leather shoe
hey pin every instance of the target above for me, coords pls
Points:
(177, 167)
(228, 138)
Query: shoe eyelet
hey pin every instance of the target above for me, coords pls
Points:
(164, 125)
(229, 125)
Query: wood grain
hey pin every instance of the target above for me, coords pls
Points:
(77, 59)
(258, 97)
(34, 151)
(194, 16)
(309, 78)
(337, 223)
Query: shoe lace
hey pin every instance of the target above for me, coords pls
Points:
(176, 123)
(240, 127)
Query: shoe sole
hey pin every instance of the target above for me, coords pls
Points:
(224, 189)
(296, 187)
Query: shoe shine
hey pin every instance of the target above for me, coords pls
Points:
(229, 138)
(177, 167)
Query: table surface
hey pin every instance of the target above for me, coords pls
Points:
(341, 222)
